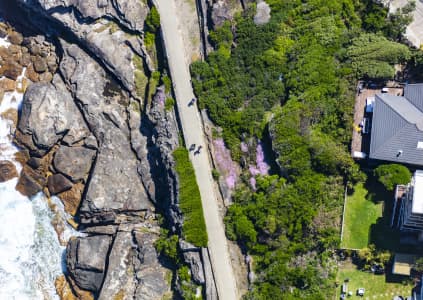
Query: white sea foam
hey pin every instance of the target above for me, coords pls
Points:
(30, 252)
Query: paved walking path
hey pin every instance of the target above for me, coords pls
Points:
(193, 134)
(414, 32)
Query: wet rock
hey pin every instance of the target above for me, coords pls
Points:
(7, 170)
(71, 199)
(40, 64)
(74, 162)
(7, 85)
(58, 183)
(22, 156)
(25, 141)
(12, 115)
(34, 162)
(15, 38)
(11, 69)
(67, 290)
(86, 260)
(30, 182)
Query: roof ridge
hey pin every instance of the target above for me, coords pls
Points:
(382, 97)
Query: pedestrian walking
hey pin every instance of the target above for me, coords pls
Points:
(192, 147)
(198, 150)
(191, 102)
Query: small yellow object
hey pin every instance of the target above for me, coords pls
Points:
(72, 223)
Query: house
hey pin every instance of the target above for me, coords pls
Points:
(408, 211)
(397, 127)
(403, 263)
(411, 211)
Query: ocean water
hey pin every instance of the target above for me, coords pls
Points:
(30, 252)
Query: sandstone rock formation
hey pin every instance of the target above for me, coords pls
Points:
(48, 114)
(73, 162)
(86, 260)
(7, 170)
(95, 144)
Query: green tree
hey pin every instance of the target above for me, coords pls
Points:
(392, 174)
(153, 20)
(373, 56)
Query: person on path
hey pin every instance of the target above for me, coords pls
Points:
(192, 147)
(191, 102)
(198, 150)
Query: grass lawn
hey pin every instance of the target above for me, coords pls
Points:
(194, 227)
(360, 214)
(375, 285)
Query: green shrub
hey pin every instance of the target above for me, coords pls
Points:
(168, 246)
(392, 174)
(215, 174)
(153, 20)
(141, 82)
(194, 228)
(152, 84)
(167, 83)
(169, 104)
(149, 39)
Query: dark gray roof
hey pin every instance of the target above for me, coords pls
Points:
(414, 94)
(397, 124)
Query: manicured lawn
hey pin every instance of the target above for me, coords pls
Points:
(375, 285)
(360, 214)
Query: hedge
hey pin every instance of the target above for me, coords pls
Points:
(194, 228)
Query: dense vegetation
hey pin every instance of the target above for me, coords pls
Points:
(294, 78)
(194, 228)
(391, 175)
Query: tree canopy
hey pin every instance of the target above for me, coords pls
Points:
(393, 174)
(293, 80)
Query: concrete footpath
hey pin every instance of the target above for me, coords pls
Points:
(193, 134)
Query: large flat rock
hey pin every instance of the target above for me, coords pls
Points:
(48, 114)
(114, 184)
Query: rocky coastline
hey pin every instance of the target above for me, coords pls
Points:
(88, 137)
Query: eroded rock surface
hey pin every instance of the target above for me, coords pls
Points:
(7, 170)
(86, 260)
(115, 186)
(48, 114)
(97, 25)
(74, 162)
(90, 143)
